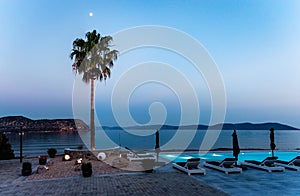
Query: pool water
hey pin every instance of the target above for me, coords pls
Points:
(257, 155)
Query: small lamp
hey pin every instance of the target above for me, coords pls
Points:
(67, 157)
(78, 161)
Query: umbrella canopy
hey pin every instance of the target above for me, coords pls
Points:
(272, 141)
(235, 145)
(157, 140)
(157, 148)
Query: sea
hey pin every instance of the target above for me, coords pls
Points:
(37, 143)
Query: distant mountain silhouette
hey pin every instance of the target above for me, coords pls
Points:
(257, 126)
(13, 123)
(225, 126)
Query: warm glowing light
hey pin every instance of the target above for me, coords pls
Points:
(67, 157)
(79, 161)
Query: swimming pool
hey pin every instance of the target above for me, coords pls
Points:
(247, 155)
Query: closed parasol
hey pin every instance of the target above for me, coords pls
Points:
(272, 141)
(235, 145)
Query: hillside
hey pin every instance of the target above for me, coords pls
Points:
(13, 123)
(225, 126)
(257, 126)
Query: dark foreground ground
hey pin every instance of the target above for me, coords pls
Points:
(157, 183)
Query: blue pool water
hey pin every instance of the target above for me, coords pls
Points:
(257, 155)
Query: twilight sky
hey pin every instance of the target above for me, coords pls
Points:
(254, 43)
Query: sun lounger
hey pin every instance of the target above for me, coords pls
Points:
(227, 166)
(133, 156)
(268, 164)
(293, 164)
(140, 156)
(190, 167)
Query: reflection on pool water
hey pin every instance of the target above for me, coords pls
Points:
(247, 155)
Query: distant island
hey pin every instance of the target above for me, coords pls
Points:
(13, 123)
(224, 126)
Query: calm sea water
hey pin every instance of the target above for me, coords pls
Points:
(38, 143)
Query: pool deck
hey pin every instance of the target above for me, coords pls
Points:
(251, 182)
(158, 183)
(164, 181)
(255, 182)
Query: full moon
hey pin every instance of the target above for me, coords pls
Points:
(91, 14)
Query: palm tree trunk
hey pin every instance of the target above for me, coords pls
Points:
(92, 124)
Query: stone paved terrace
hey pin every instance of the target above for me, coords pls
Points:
(165, 181)
(157, 183)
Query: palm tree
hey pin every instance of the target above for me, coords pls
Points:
(93, 58)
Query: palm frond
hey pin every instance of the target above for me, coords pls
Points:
(93, 56)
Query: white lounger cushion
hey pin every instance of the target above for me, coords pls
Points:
(190, 167)
(265, 165)
(226, 166)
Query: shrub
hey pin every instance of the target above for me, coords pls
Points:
(26, 169)
(52, 152)
(26, 165)
(86, 169)
(86, 166)
(43, 160)
(6, 151)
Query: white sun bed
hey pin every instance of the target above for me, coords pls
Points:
(140, 157)
(190, 167)
(268, 164)
(293, 164)
(227, 166)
